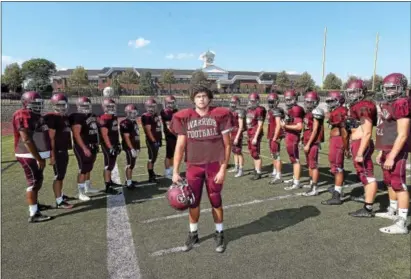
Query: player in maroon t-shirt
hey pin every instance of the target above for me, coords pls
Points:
(60, 141)
(152, 128)
(203, 128)
(166, 115)
(238, 115)
(31, 147)
(394, 143)
(255, 118)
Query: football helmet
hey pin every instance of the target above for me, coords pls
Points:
(273, 100)
(180, 195)
(334, 99)
(234, 102)
(311, 100)
(108, 92)
(394, 86)
(131, 112)
(83, 105)
(33, 101)
(355, 91)
(290, 98)
(151, 105)
(170, 102)
(253, 100)
(109, 106)
(60, 103)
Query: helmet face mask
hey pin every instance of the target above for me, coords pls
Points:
(289, 101)
(84, 108)
(253, 101)
(61, 108)
(310, 104)
(332, 103)
(110, 108)
(36, 106)
(354, 95)
(392, 92)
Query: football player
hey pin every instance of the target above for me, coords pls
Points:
(293, 125)
(203, 128)
(238, 116)
(60, 142)
(362, 116)
(255, 118)
(171, 139)
(85, 137)
(31, 148)
(110, 143)
(274, 135)
(313, 136)
(338, 143)
(394, 143)
(130, 141)
(152, 128)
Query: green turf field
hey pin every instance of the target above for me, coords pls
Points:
(271, 233)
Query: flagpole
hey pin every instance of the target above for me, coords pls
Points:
(324, 47)
(375, 62)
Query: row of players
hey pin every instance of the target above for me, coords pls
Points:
(40, 136)
(352, 118)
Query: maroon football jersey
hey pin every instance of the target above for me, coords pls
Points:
(253, 116)
(337, 117)
(364, 109)
(387, 123)
(166, 116)
(110, 122)
(297, 115)
(309, 126)
(272, 125)
(236, 116)
(37, 131)
(61, 124)
(89, 127)
(204, 133)
(130, 127)
(155, 122)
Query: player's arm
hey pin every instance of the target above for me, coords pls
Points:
(403, 129)
(277, 128)
(259, 128)
(295, 127)
(179, 152)
(227, 151)
(127, 140)
(240, 128)
(316, 128)
(366, 128)
(28, 143)
(106, 139)
(345, 137)
(52, 136)
(76, 129)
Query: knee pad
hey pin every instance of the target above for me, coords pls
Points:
(215, 199)
(275, 156)
(130, 167)
(30, 189)
(109, 168)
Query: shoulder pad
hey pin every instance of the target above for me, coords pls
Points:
(220, 111)
(241, 113)
(318, 113)
(278, 112)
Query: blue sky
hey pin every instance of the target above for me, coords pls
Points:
(244, 36)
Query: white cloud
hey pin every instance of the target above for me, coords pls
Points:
(179, 56)
(292, 73)
(138, 43)
(7, 60)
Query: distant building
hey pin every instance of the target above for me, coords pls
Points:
(222, 80)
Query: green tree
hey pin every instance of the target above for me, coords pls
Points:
(146, 84)
(37, 72)
(116, 85)
(13, 77)
(305, 82)
(199, 77)
(128, 77)
(78, 79)
(378, 83)
(167, 77)
(331, 81)
(282, 81)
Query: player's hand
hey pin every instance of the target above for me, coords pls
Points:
(306, 148)
(235, 142)
(133, 153)
(359, 159)
(254, 142)
(112, 151)
(282, 124)
(176, 178)
(86, 152)
(52, 161)
(389, 162)
(220, 176)
(41, 163)
(378, 159)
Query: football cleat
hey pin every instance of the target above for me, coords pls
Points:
(38, 217)
(180, 195)
(192, 239)
(399, 227)
(219, 241)
(391, 214)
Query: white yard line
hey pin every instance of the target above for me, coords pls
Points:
(122, 260)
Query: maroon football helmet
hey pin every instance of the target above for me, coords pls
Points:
(170, 101)
(33, 101)
(59, 102)
(234, 102)
(131, 112)
(355, 91)
(180, 195)
(311, 100)
(151, 105)
(394, 86)
(253, 100)
(273, 100)
(109, 106)
(290, 98)
(83, 105)
(334, 100)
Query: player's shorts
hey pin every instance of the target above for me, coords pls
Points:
(130, 161)
(109, 160)
(152, 151)
(197, 176)
(312, 156)
(293, 151)
(396, 177)
(254, 149)
(34, 176)
(275, 148)
(170, 147)
(365, 169)
(237, 149)
(85, 164)
(60, 166)
(336, 154)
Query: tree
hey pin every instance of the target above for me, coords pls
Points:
(13, 77)
(305, 82)
(282, 81)
(167, 77)
(198, 77)
(116, 85)
(128, 77)
(78, 79)
(331, 81)
(37, 73)
(378, 83)
(146, 84)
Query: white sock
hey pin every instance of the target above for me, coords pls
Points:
(81, 186)
(193, 227)
(258, 171)
(338, 188)
(311, 182)
(403, 213)
(33, 209)
(129, 182)
(394, 204)
(240, 168)
(219, 227)
(87, 183)
(59, 200)
(296, 182)
(278, 175)
(274, 172)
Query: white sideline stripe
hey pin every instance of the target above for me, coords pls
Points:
(121, 254)
(149, 199)
(174, 216)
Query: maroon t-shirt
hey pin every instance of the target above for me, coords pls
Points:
(89, 127)
(364, 109)
(297, 114)
(237, 116)
(155, 125)
(253, 116)
(272, 125)
(166, 116)
(61, 125)
(110, 122)
(337, 117)
(130, 127)
(204, 134)
(309, 126)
